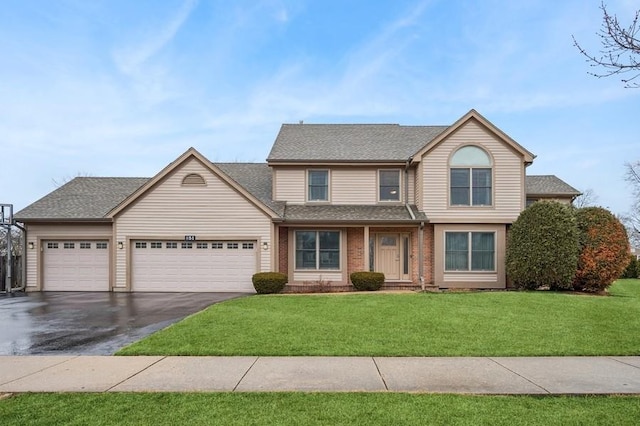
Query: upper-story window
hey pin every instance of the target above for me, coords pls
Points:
(389, 185)
(470, 177)
(318, 185)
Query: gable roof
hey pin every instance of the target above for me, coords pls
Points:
(350, 142)
(474, 115)
(83, 198)
(94, 198)
(191, 153)
(548, 185)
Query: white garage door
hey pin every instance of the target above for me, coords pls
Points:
(193, 266)
(76, 266)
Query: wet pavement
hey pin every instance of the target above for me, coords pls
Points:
(75, 323)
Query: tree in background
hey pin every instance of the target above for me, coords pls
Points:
(604, 249)
(542, 247)
(620, 51)
(586, 199)
(632, 220)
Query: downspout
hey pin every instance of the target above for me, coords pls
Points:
(421, 255)
(413, 217)
(406, 188)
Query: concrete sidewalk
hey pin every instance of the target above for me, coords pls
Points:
(482, 375)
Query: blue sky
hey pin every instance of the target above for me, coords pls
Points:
(122, 88)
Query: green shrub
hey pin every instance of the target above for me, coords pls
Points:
(632, 270)
(367, 281)
(542, 247)
(604, 249)
(269, 282)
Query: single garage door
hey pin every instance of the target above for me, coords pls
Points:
(76, 265)
(202, 266)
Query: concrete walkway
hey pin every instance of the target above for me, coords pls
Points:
(482, 375)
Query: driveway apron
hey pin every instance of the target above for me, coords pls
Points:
(84, 323)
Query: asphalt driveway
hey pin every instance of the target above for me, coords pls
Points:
(74, 323)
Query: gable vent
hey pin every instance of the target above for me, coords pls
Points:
(194, 179)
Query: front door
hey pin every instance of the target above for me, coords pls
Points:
(388, 255)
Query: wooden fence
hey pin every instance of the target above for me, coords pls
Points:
(16, 272)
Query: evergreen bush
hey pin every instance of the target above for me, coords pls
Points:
(367, 281)
(631, 271)
(269, 282)
(542, 247)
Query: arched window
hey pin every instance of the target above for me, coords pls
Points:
(193, 179)
(470, 177)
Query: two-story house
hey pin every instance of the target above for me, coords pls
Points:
(426, 205)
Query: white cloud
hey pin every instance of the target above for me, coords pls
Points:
(131, 57)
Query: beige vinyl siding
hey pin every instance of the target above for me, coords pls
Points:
(412, 185)
(354, 186)
(419, 184)
(37, 233)
(508, 179)
(170, 211)
(347, 185)
(289, 185)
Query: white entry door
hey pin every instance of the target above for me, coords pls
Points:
(202, 266)
(76, 265)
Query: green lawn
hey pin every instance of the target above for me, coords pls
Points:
(414, 324)
(315, 409)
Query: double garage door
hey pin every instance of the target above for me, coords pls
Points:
(156, 266)
(194, 266)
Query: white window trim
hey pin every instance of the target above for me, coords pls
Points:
(400, 185)
(306, 186)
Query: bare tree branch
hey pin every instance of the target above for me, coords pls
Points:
(588, 198)
(620, 52)
(632, 220)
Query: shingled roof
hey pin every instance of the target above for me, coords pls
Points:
(548, 185)
(351, 213)
(350, 142)
(91, 198)
(82, 198)
(255, 178)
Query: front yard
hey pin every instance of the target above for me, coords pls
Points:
(415, 324)
(448, 324)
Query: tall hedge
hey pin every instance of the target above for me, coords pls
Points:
(542, 247)
(604, 249)
(631, 271)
